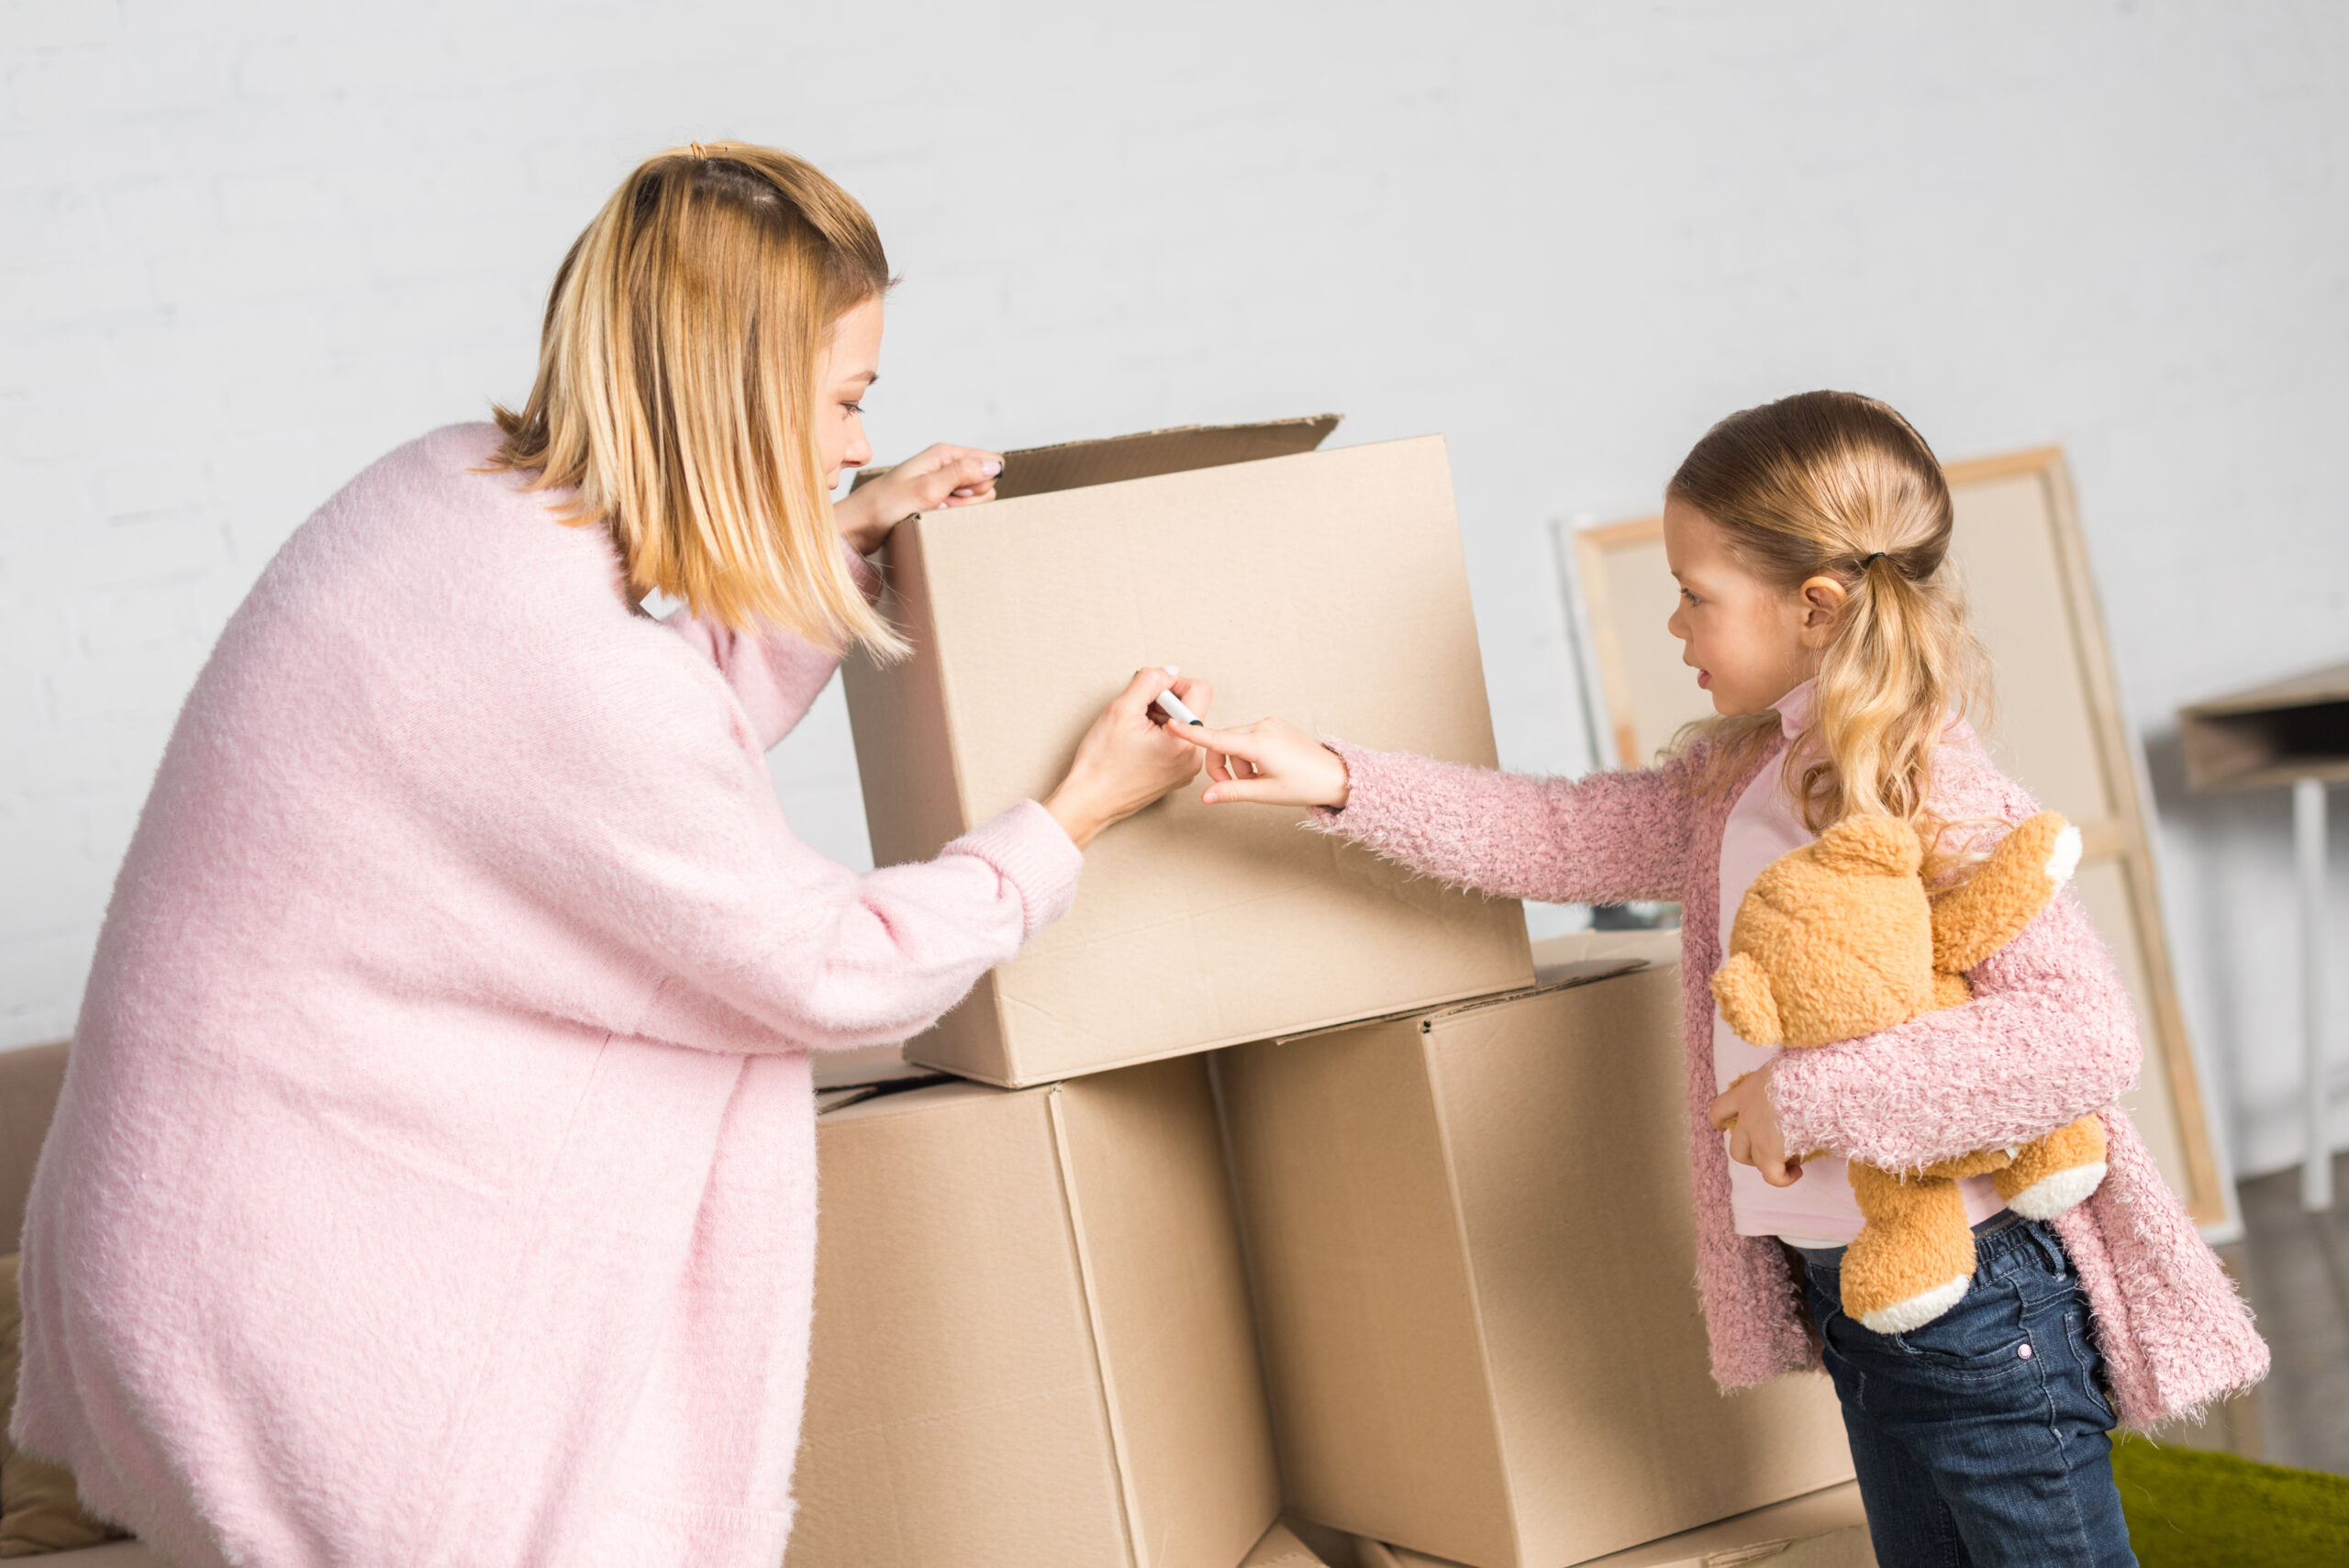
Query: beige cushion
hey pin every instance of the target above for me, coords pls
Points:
(39, 1510)
(29, 1079)
(112, 1554)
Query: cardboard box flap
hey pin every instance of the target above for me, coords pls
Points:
(857, 1101)
(1823, 1530)
(1071, 465)
(1282, 1548)
(862, 1065)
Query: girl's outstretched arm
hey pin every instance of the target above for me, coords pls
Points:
(2049, 1036)
(1603, 839)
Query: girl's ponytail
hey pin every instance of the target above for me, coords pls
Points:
(1833, 484)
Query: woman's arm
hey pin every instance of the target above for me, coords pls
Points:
(2049, 1036)
(819, 958)
(657, 850)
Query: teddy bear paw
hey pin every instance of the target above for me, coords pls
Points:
(1917, 1310)
(2057, 1192)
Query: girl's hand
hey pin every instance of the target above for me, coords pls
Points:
(1272, 763)
(1128, 758)
(1745, 1112)
(932, 478)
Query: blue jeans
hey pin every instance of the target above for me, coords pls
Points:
(1980, 1439)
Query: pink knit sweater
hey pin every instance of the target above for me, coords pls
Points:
(434, 1177)
(2049, 1036)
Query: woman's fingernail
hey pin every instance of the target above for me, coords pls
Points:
(1174, 669)
(992, 467)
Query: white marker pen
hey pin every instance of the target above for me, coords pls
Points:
(1172, 705)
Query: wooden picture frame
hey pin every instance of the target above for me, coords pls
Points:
(2058, 730)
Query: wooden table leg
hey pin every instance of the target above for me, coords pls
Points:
(2307, 834)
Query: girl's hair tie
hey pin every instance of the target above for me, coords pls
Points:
(1869, 561)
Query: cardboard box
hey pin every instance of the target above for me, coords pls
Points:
(1325, 587)
(1032, 1343)
(1825, 1529)
(1473, 1253)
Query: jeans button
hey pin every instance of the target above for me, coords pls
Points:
(2022, 1352)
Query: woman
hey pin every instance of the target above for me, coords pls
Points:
(434, 1180)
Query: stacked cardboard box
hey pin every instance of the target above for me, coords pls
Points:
(1328, 587)
(1471, 1331)
(1472, 1243)
(1032, 1340)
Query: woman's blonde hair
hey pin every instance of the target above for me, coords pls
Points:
(1833, 484)
(676, 387)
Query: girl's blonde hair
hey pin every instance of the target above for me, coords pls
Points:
(1833, 484)
(676, 387)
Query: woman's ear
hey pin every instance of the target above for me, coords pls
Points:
(1823, 600)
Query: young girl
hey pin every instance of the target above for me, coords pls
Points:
(1810, 540)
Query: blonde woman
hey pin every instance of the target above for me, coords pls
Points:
(1811, 540)
(433, 1181)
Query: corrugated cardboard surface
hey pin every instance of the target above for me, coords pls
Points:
(1328, 588)
(1281, 1548)
(1474, 1255)
(1824, 1529)
(1032, 1343)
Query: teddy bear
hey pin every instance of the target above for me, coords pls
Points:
(1841, 938)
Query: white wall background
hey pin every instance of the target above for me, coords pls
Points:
(247, 246)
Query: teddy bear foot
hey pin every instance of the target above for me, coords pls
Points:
(2057, 1193)
(1917, 1310)
(1913, 1258)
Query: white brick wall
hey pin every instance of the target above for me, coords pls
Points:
(247, 246)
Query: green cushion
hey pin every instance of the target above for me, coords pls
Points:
(2192, 1508)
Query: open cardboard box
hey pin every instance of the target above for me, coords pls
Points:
(1471, 1242)
(1325, 587)
(1033, 1344)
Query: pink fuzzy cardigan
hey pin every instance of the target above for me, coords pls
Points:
(2049, 1037)
(434, 1177)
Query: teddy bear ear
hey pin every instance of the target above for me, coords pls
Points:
(1882, 844)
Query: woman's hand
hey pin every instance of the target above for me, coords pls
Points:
(932, 478)
(1745, 1112)
(1128, 758)
(1272, 763)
